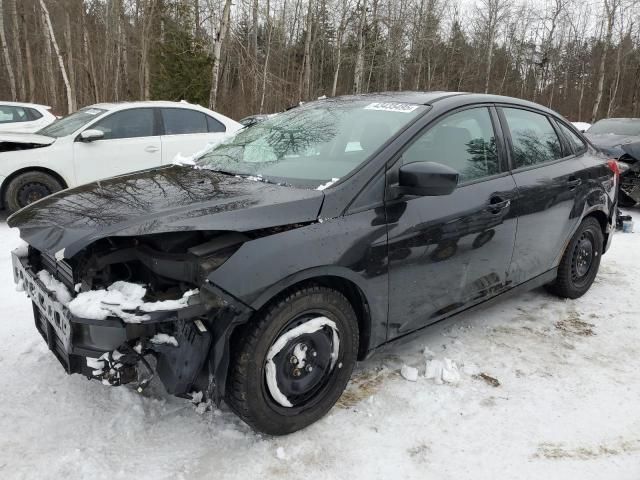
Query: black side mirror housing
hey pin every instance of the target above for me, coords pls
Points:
(427, 179)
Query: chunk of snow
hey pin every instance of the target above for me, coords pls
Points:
(119, 299)
(196, 397)
(95, 363)
(59, 254)
(582, 126)
(20, 286)
(22, 250)
(409, 373)
(163, 339)
(190, 160)
(281, 454)
(328, 184)
(306, 328)
(55, 286)
(442, 371)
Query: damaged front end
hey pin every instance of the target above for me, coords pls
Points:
(178, 330)
(630, 175)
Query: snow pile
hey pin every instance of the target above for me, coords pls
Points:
(22, 250)
(409, 373)
(582, 126)
(163, 339)
(119, 299)
(190, 160)
(328, 184)
(442, 371)
(55, 286)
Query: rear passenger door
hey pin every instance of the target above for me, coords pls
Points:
(449, 252)
(130, 143)
(187, 131)
(550, 180)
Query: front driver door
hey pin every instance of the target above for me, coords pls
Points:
(449, 252)
(130, 143)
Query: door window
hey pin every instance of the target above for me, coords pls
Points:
(137, 122)
(464, 141)
(533, 138)
(214, 125)
(33, 114)
(576, 142)
(11, 114)
(180, 121)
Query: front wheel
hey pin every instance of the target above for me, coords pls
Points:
(293, 362)
(580, 262)
(29, 187)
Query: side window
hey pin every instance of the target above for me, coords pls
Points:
(11, 114)
(533, 137)
(137, 122)
(33, 114)
(578, 144)
(180, 121)
(214, 126)
(464, 141)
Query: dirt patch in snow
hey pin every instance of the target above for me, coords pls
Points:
(560, 451)
(362, 385)
(573, 325)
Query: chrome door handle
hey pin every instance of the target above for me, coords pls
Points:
(151, 149)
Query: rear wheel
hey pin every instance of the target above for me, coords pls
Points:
(292, 364)
(29, 187)
(580, 262)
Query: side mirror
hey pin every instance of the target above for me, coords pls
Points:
(427, 179)
(91, 135)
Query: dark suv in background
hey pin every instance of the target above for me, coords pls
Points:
(314, 238)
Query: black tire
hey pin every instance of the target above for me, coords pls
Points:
(580, 262)
(29, 187)
(247, 392)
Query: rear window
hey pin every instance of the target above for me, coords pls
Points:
(180, 121)
(616, 126)
(33, 114)
(533, 138)
(576, 142)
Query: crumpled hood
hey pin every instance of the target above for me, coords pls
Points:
(160, 200)
(611, 144)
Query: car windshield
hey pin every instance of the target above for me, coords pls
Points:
(69, 124)
(616, 126)
(313, 144)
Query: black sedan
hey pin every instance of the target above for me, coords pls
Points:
(262, 273)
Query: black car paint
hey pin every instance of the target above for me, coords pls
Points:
(356, 234)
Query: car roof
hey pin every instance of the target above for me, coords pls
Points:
(25, 104)
(146, 103)
(428, 98)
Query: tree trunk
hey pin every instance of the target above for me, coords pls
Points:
(13, 12)
(610, 10)
(217, 51)
(7, 58)
(359, 65)
(70, 62)
(27, 51)
(305, 92)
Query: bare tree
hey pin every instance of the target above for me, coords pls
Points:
(217, 50)
(5, 53)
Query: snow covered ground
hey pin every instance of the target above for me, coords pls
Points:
(548, 389)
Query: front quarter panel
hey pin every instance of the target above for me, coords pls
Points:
(352, 247)
(57, 157)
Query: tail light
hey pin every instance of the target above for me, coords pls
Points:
(614, 167)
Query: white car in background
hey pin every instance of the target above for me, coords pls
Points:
(24, 117)
(102, 141)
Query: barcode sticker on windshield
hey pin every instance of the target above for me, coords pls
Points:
(392, 107)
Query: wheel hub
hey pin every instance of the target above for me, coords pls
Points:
(300, 362)
(583, 257)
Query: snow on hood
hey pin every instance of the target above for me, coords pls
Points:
(27, 138)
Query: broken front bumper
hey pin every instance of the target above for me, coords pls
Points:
(87, 346)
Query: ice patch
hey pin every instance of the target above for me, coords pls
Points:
(409, 373)
(163, 339)
(328, 184)
(55, 286)
(442, 371)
